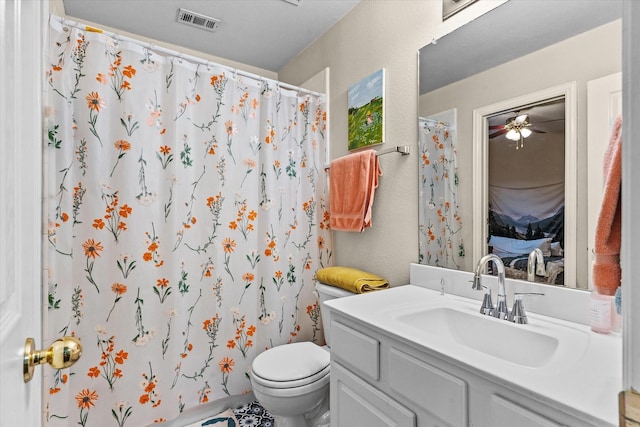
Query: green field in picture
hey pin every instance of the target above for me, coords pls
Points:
(365, 125)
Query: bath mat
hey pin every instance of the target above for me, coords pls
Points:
(223, 419)
(253, 415)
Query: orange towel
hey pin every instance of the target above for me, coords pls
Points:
(606, 263)
(352, 183)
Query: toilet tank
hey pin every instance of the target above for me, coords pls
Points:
(326, 293)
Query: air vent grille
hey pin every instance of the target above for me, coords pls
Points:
(198, 20)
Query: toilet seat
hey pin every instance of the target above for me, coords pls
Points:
(291, 365)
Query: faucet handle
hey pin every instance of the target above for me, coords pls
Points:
(487, 305)
(518, 314)
(476, 284)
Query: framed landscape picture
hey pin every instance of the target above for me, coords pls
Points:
(451, 7)
(366, 111)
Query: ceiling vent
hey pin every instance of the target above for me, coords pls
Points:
(198, 20)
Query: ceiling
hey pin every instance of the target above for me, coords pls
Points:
(262, 33)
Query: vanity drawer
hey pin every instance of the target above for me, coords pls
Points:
(507, 414)
(355, 350)
(439, 393)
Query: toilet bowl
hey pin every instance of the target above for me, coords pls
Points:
(291, 381)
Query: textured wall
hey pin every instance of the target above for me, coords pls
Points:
(381, 34)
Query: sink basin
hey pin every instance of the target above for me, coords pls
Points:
(518, 344)
(453, 327)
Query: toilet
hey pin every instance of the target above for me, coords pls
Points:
(291, 381)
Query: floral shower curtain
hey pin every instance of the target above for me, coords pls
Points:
(440, 225)
(187, 215)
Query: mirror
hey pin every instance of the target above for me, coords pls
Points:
(521, 54)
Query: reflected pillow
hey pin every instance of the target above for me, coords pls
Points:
(556, 249)
(506, 247)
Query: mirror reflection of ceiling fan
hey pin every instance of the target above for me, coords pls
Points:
(519, 125)
(517, 128)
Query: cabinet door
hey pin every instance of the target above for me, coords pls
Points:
(356, 403)
(442, 396)
(507, 414)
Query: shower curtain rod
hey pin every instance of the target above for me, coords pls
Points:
(427, 119)
(179, 55)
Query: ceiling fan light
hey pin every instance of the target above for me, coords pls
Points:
(513, 135)
(525, 132)
(521, 118)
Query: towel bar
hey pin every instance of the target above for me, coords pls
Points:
(402, 149)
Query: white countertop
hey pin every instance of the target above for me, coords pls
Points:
(583, 378)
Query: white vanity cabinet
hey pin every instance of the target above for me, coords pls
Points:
(379, 379)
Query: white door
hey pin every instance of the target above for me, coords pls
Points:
(21, 76)
(604, 103)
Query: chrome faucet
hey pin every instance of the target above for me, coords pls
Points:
(501, 310)
(532, 269)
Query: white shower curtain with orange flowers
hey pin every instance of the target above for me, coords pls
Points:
(187, 215)
(440, 224)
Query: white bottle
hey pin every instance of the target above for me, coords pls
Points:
(600, 315)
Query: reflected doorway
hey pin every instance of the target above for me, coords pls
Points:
(549, 117)
(526, 189)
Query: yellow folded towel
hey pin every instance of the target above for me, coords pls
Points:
(351, 279)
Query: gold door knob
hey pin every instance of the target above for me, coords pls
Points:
(63, 353)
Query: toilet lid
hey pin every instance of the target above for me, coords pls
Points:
(292, 363)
